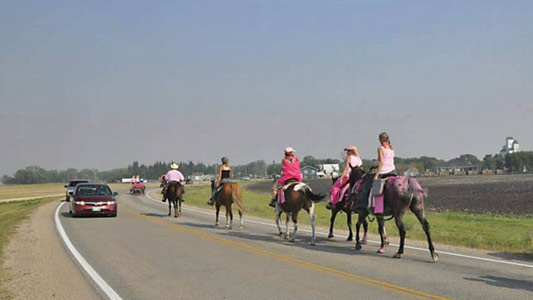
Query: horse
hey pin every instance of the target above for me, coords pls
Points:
(298, 196)
(229, 191)
(174, 194)
(400, 193)
(345, 205)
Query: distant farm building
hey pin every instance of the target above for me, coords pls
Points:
(511, 146)
(459, 168)
(309, 172)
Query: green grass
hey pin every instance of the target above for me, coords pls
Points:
(11, 214)
(498, 233)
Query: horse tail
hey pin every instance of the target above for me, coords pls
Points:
(237, 195)
(314, 197)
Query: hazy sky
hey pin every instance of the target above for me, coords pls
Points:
(99, 84)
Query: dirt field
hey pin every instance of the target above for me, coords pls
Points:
(496, 194)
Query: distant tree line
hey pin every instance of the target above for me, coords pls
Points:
(516, 162)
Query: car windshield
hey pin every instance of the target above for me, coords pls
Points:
(75, 183)
(93, 190)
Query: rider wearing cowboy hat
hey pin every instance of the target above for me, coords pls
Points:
(172, 176)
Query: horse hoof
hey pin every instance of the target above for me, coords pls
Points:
(291, 240)
(349, 239)
(230, 228)
(242, 226)
(397, 255)
(363, 241)
(280, 234)
(312, 244)
(386, 244)
(358, 247)
(330, 236)
(435, 257)
(381, 250)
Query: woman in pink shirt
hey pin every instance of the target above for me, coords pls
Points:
(290, 170)
(386, 166)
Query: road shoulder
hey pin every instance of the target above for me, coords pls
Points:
(38, 264)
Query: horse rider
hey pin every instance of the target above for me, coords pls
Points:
(290, 170)
(173, 176)
(386, 167)
(351, 173)
(224, 175)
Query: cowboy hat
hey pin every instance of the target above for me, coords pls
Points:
(174, 166)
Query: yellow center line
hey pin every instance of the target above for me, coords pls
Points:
(288, 259)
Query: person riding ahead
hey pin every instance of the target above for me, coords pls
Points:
(386, 166)
(173, 176)
(290, 170)
(385, 169)
(351, 173)
(224, 175)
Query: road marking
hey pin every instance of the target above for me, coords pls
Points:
(371, 241)
(288, 259)
(108, 290)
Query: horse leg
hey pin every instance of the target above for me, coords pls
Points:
(179, 206)
(216, 214)
(401, 230)
(419, 213)
(349, 223)
(357, 228)
(295, 222)
(288, 215)
(365, 228)
(334, 212)
(230, 217)
(381, 226)
(227, 218)
(278, 215)
(169, 206)
(176, 203)
(313, 223)
(241, 220)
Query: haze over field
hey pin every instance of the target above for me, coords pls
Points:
(99, 84)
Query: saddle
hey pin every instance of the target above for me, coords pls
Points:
(293, 182)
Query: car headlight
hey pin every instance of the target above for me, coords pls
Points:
(80, 202)
(110, 202)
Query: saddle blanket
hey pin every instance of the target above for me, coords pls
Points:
(281, 192)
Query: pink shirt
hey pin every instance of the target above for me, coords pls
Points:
(174, 175)
(290, 169)
(388, 160)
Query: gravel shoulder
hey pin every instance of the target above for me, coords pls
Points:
(39, 266)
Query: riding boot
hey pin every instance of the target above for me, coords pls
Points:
(329, 205)
(272, 202)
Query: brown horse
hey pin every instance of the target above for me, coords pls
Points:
(174, 194)
(229, 192)
(298, 196)
(400, 194)
(345, 205)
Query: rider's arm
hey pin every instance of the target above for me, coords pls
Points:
(380, 163)
(346, 166)
(219, 176)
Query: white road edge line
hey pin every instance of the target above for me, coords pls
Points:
(108, 290)
(375, 242)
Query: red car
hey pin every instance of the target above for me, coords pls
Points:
(93, 199)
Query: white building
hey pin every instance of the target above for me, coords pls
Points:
(511, 146)
(328, 169)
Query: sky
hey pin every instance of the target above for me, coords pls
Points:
(99, 84)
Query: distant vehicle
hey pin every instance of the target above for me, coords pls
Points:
(71, 186)
(245, 178)
(93, 199)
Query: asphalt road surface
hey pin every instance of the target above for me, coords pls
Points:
(144, 254)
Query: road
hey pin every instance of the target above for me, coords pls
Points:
(144, 254)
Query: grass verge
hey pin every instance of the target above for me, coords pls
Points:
(490, 232)
(11, 214)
